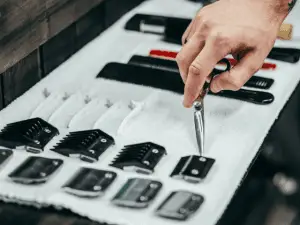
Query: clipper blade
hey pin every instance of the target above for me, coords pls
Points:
(199, 125)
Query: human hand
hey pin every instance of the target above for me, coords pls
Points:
(247, 29)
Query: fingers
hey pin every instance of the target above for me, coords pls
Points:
(199, 70)
(186, 33)
(238, 75)
(187, 55)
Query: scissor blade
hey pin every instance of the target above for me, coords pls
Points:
(199, 125)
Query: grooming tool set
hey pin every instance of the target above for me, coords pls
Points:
(136, 164)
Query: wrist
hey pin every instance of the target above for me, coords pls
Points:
(275, 10)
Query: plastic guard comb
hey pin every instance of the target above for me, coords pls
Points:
(32, 135)
(86, 145)
(140, 158)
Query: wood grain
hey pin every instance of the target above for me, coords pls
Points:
(27, 24)
(1, 94)
(21, 77)
(90, 26)
(113, 13)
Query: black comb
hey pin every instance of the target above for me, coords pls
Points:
(87, 145)
(172, 29)
(140, 158)
(171, 65)
(32, 135)
(171, 81)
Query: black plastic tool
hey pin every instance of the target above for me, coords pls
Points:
(88, 182)
(192, 168)
(171, 65)
(32, 135)
(172, 29)
(180, 205)
(137, 193)
(140, 158)
(87, 145)
(35, 170)
(257, 97)
(170, 81)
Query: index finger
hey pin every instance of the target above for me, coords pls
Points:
(200, 69)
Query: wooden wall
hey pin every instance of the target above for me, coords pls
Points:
(38, 35)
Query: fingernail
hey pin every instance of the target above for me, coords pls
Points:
(186, 104)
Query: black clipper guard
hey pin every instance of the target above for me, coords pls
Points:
(86, 145)
(140, 158)
(32, 135)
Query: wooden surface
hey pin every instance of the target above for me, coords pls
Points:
(21, 77)
(27, 24)
(1, 94)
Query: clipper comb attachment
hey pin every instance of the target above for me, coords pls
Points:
(32, 135)
(140, 158)
(86, 145)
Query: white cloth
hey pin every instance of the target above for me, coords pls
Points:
(235, 130)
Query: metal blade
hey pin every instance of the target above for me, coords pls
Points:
(199, 125)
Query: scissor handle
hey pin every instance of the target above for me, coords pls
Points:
(206, 86)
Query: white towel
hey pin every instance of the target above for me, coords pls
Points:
(234, 129)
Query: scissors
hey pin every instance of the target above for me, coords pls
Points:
(199, 107)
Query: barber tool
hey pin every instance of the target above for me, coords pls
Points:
(172, 55)
(180, 205)
(170, 65)
(5, 154)
(137, 193)
(199, 109)
(172, 28)
(87, 145)
(291, 55)
(192, 168)
(35, 170)
(88, 182)
(170, 81)
(31, 135)
(140, 158)
(251, 96)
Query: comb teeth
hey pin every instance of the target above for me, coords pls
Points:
(140, 158)
(259, 82)
(88, 145)
(32, 134)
